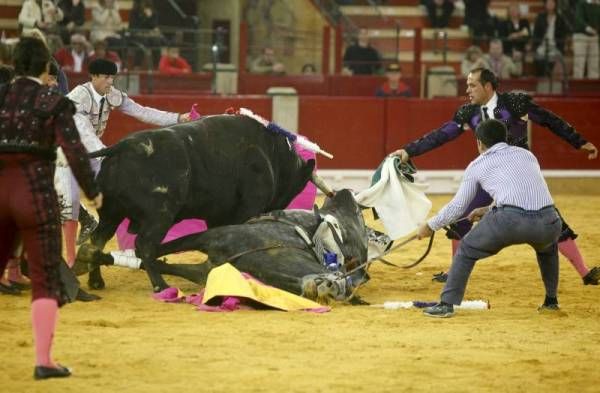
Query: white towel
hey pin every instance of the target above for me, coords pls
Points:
(401, 205)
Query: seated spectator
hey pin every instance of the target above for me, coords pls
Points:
(439, 12)
(143, 26)
(550, 32)
(74, 57)
(171, 63)
(361, 58)
(266, 63)
(481, 23)
(73, 18)
(106, 23)
(40, 14)
(394, 86)
(473, 59)
(515, 31)
(503, 66)
(101, 52)
(309, 69)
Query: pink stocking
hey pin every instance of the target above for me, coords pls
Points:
(44, 313)
(569, 249)
(70, 232)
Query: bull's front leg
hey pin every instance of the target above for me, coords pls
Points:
(146, 246)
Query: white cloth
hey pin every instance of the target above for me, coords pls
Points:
(401, 205)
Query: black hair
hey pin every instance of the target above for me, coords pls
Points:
(486, 76)
(31, 57)
(309, 67)
(53, 69)
(7, 73)
(490, 132)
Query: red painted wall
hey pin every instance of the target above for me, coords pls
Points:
(360, 131)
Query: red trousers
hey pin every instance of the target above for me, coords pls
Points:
(29, 206)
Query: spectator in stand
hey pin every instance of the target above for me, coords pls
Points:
(143, 26)
(75, 57)
(473, 59)
(309, 69)
(515, 31)
(73, 18)
(503, 66)
(439, 12)
(171, 63)
(481, 23)
(550, 32)
(394, 86)
(361, 58)
(101, 52)
(267, 63)
(585, 39)
(106, 23)
(40, 14)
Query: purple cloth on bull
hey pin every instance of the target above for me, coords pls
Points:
(305, 200)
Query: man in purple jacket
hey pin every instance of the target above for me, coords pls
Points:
(513, 109)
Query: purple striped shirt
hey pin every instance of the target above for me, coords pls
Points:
(510, 174)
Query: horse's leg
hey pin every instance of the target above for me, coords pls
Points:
(197, 272)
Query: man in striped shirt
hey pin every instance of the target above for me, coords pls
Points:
(522, 213)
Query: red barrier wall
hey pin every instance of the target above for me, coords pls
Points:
(352, 129)
(361, 131)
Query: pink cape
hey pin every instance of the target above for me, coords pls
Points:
(304, 200)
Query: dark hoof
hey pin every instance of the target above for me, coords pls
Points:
(160, 288)
(41, 372)
(84, 296)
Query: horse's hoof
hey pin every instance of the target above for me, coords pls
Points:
(96, 284)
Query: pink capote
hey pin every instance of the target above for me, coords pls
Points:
(304, 200)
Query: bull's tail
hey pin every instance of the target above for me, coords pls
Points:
(107, 151)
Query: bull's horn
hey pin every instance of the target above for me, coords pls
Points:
(321, 185)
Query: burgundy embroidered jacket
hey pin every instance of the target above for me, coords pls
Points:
(35, 120)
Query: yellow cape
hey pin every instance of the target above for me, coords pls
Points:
(226, 280)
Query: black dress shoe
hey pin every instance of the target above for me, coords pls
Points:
(9, 290)
(84, 296)
(41, 372)
(19, 286)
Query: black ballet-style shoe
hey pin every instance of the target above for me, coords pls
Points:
(41, 372)
(84, 296)
(9, 290)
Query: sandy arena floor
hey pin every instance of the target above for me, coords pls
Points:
(128, 342)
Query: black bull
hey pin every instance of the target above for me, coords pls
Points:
(223, 169)
(271, 249)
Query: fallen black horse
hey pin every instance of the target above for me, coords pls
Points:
(284, 249)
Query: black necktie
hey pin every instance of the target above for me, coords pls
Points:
(100, 112)
(485, 113)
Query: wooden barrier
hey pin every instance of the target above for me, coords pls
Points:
(361, 131)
